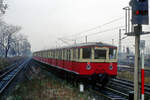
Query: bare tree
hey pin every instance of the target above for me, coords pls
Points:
(21, 46)
(10, 43)
(3, 7)
(24, 45)
(7, 40)
(25, 48)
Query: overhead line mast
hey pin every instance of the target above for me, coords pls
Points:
(139, 17)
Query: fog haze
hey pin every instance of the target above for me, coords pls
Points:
(44, 21)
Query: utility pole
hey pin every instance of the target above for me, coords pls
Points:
(137, 32)
(75, 42)
(127, 19)
(137, 62)
(119, 41)
(119, 51)
(142, 46)
(140, 17)
(112, 41)
(85, 39)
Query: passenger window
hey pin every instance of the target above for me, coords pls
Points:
(112, 53)
(64, 54)
(60, 54)
(69, 55)
(74, 53)
(87, 53)
(99, 54)
(53, 54)
(78, 53)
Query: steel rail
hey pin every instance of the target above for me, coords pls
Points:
(5, 81)
(4, 70)
(146, 85)
(108, 94)
(9, 69)
(120, 88)
(131, 68)
(5, 73)
(129, 85)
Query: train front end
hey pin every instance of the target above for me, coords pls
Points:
(99, 63)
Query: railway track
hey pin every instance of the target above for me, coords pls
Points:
(128, 85)
(107, 94)
(118, 89)
(6, 70)
(9, 67)
(130, 68)
(7, 77)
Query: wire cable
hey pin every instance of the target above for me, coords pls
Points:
(112, 21)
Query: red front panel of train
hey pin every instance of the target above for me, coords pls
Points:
(98, 68)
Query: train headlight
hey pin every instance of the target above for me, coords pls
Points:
(88, 67)
(111, 67)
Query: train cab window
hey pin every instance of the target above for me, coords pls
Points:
(87, 53)
(74, 54)
(53, 54)
(112, 53)
(60, 54)
(99, 54)
(64, 54)
(50, 54)
(69, 55)
(46, 54)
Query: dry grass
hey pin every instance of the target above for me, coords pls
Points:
(4, 62)
(44, 87)
(130, 76)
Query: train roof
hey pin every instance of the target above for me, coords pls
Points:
(89, 44)
(81, 45)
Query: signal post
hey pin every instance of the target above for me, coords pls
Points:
(139, 17)
(136, 64)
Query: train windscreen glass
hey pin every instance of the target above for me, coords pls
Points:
(112, 53)
(99, 54)
(87, 53)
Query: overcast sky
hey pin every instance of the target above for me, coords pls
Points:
(44, 21)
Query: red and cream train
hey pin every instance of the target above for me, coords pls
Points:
(93, 61)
